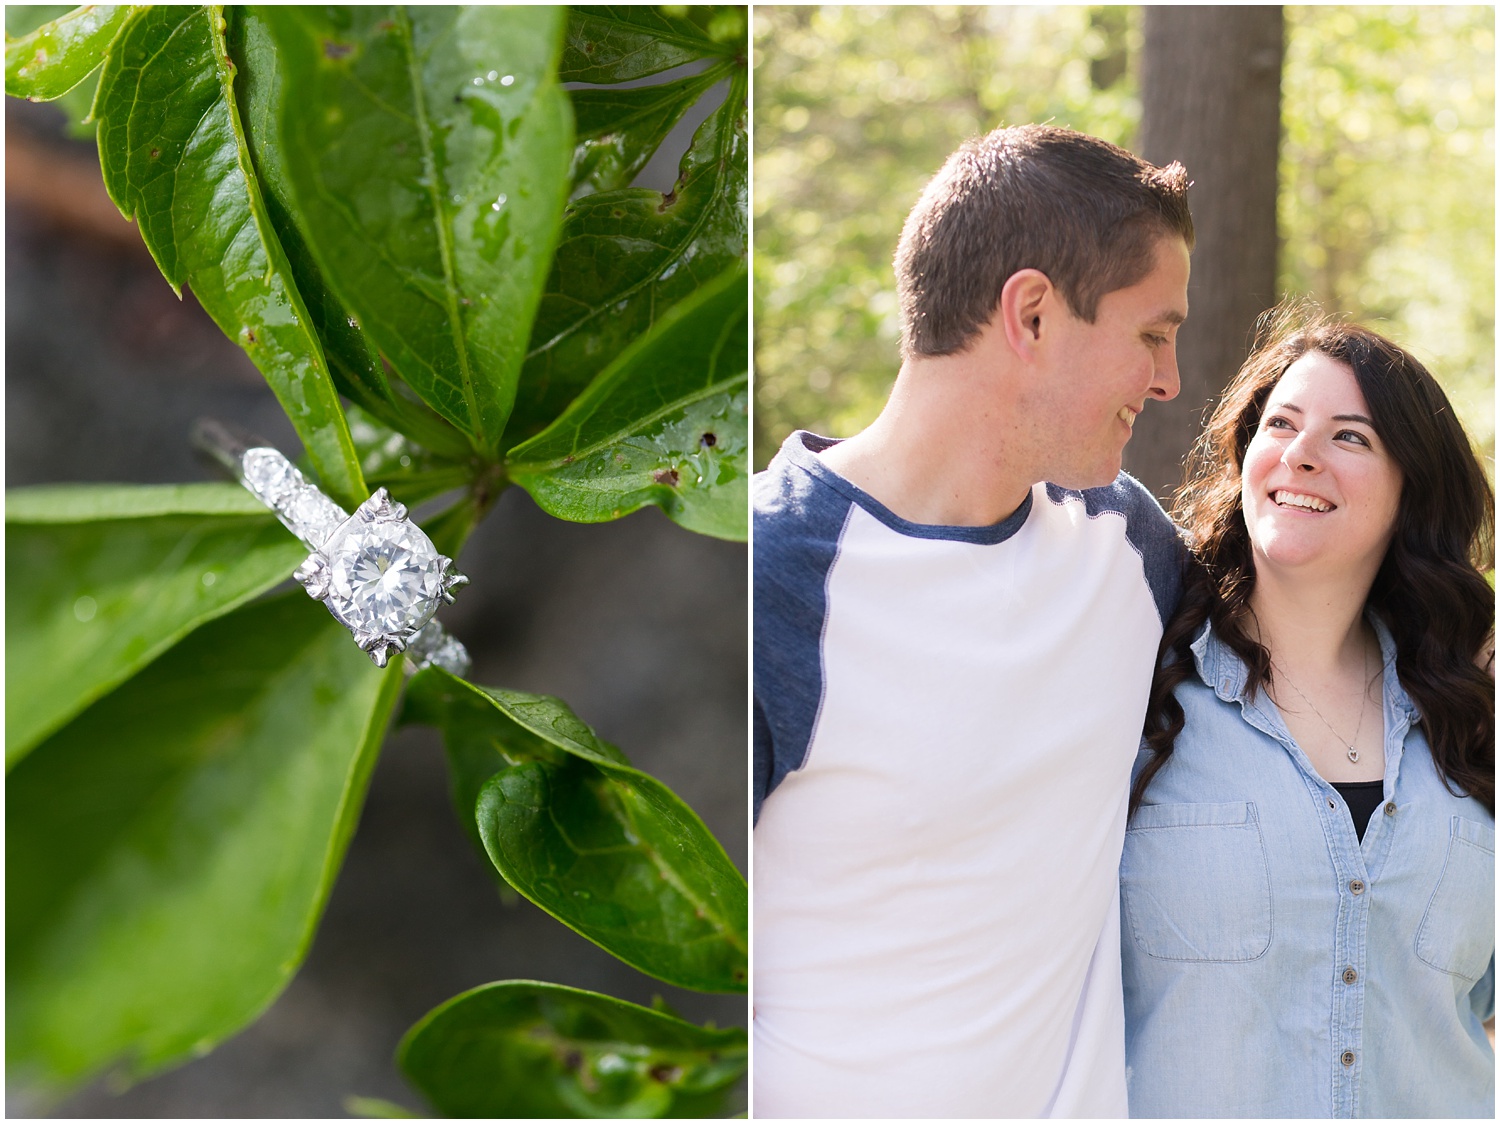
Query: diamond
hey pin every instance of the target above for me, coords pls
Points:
(385, 579)
(311, 515)
(270, 475)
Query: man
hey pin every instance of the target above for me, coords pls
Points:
(956, 617)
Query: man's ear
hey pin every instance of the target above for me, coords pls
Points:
(1027, 297)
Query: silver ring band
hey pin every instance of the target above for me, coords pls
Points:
(377, 572)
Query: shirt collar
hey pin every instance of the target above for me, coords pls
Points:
(1221, 668)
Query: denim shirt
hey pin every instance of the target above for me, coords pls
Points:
(1274, 965)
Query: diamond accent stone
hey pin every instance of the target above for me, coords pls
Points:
(302, 509)
(270, 475)
(310, 515)
(434, 646)
(385, 578)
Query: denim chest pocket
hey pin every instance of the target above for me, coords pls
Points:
(1457, 934)
(1195, 883)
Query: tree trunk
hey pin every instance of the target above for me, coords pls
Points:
(1211, 98)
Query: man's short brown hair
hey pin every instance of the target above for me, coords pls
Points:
(1081, 210)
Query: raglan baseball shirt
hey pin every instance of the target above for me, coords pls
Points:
(945, 723)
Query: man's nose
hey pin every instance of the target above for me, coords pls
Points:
(1166, 384)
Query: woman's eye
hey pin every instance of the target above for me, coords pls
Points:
(1277, 423)
(1352, 435)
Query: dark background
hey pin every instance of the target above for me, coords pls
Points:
(639, 625)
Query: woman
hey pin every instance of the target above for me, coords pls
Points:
(1309, 872)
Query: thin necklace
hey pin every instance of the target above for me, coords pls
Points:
(1364, 701)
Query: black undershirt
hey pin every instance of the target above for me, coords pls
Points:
(1362, 798)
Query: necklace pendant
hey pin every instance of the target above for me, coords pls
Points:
(1353, 754)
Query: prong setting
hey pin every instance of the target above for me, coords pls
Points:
(380, 508)
(313, 574)
(453, 580)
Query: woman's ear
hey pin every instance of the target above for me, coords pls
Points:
(1025, 300)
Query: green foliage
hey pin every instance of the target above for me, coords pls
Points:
(529, 1049)
(430, 185)
(175, 160)
(391, 206)
(101, 581)
(1367, 91)
(856, 107)
(648, 431)
(71, 47)
(59, 55)
(627, 254)
(606, 849)
(169, 851)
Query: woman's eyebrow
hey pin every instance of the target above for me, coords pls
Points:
(1336, 417)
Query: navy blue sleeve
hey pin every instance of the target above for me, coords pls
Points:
(1147, 529)
(796, 525)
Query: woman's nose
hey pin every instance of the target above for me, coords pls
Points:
(1301, 454)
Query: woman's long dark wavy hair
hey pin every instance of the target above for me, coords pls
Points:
(1430, 590)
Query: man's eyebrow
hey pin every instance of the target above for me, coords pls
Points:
(1172, 316)
(1336, 417)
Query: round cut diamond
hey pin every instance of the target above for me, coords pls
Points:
(384, 578)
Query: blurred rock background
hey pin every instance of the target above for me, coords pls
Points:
(639, 625)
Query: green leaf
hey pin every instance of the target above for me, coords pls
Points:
(352, 360)
(620, 129)
(22, 19)
(59, 55)
(175, 160)
(99, 581)
(430, 183)
(390, 459)
(169, 852)
(627, 256)
(377, 1108)
(606, 849)
(664, 424)
(608, 44)
(524, 1049)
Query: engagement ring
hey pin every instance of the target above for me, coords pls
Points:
(376, 570)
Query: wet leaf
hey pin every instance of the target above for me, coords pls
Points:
(620, 129)
(429, 184)
(522, 1049)
(627, 256)
(616, 43)
(392, 460)
(174, 160)
(169, 851)
(352, 359)
(608, 850)
(663, 424)
(57, 56)
(100, 580)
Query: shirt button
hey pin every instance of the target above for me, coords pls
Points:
(1331, 804)
(1350, 975)
(1356, 887)
(1347, 1057)
(1390, 808)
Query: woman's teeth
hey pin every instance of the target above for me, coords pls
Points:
(1296, 499)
